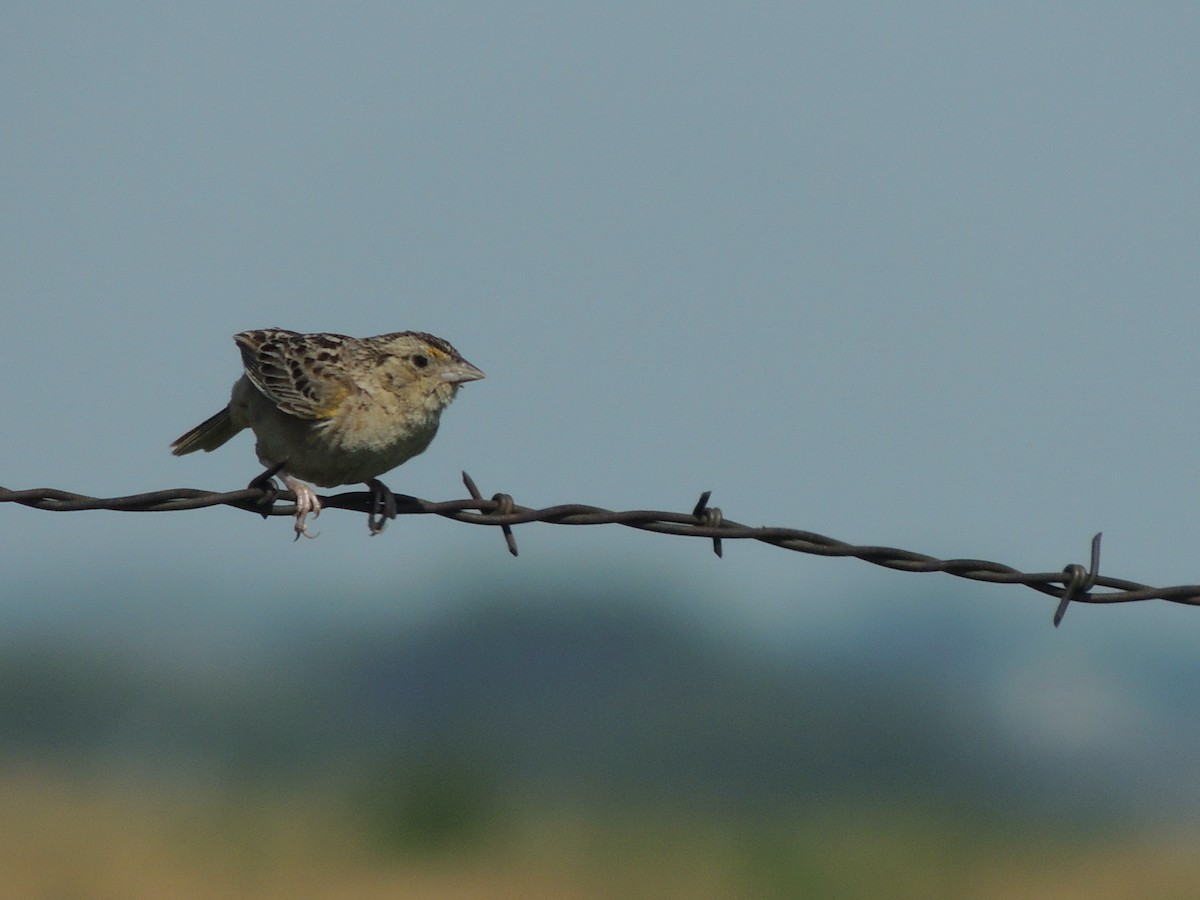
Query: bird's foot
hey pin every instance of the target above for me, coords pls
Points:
(383, 505)
(307, 504)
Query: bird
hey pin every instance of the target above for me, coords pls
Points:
(329, 409)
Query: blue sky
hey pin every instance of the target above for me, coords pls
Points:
(920, 275)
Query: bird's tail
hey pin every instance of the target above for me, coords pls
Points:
(208, 435)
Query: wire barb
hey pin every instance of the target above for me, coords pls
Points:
(1078, 581)
(503, 506)
(710, 516)
(1073, 584)
(265, 482)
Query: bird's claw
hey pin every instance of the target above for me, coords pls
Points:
(301, 528)
(383, 506)
(307, 504)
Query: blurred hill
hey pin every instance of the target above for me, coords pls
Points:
(599, 695)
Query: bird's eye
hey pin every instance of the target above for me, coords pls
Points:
(419, 360)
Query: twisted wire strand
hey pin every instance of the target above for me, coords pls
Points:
(1073, 584)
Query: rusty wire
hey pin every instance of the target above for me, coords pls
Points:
(1073, 584)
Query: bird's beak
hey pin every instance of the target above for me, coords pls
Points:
(460, 372)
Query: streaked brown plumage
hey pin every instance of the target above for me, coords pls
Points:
(331, 409)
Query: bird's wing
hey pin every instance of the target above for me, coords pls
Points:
(299, 373)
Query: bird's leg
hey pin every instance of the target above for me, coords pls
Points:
(265, 482)
(383, 505)
(306, 504)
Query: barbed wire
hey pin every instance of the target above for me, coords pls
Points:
(1073, 584)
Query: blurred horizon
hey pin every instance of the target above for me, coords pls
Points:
(551, 678)
(607, 706)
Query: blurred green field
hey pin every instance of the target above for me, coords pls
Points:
(100, 837)
(551, 749)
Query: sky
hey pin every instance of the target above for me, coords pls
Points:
(919, 275)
